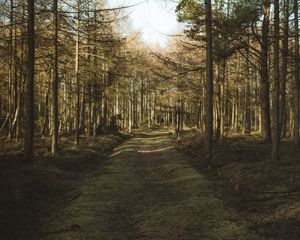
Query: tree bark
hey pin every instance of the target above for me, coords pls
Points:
(296, 76)
(77, 107)
(283, 77)
(11, 71)
(29, 127)
(265, 85)
(276, 91)
(54, 147)
(209, 80)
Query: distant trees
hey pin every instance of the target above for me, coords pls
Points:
(72, 72)
(48, 98)
(255, 62)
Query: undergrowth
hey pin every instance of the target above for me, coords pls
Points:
(265, 193)
(30, 192)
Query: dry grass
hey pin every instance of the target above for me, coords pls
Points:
(29, 193)
(146, 195)
(265, 193)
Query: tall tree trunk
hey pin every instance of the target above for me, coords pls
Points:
(265, 85)
(82, 109)
(95, 86)
(44, 130)
(284, 66)
(89, 114)
(11, 71)
(29, 127)
(22, 77)
(296, 76)
(209, 80)
(19, 94)
(55, 82)
(276, 90)
(218, 108)
(142, 102)
(130, 107)
(94, 111)
(77, 107)
(247, 120)
(247, 126)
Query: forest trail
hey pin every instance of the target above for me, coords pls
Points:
(146, 190)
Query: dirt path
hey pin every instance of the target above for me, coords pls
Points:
(147, 190)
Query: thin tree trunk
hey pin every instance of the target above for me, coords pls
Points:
(218, 103)
(130, 107)
(142, 102)
(89, 115)
(276, 90)
(247, 126)
(77, 107)
(46, 113)
(21, 81)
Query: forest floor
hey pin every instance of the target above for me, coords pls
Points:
(264, 193)
(31, 192)
(145, 189)
(148, 187)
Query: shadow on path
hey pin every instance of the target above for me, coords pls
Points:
(146, 190)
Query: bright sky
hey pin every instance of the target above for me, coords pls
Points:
(153, 18)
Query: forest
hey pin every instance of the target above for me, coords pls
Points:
(103, 136)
